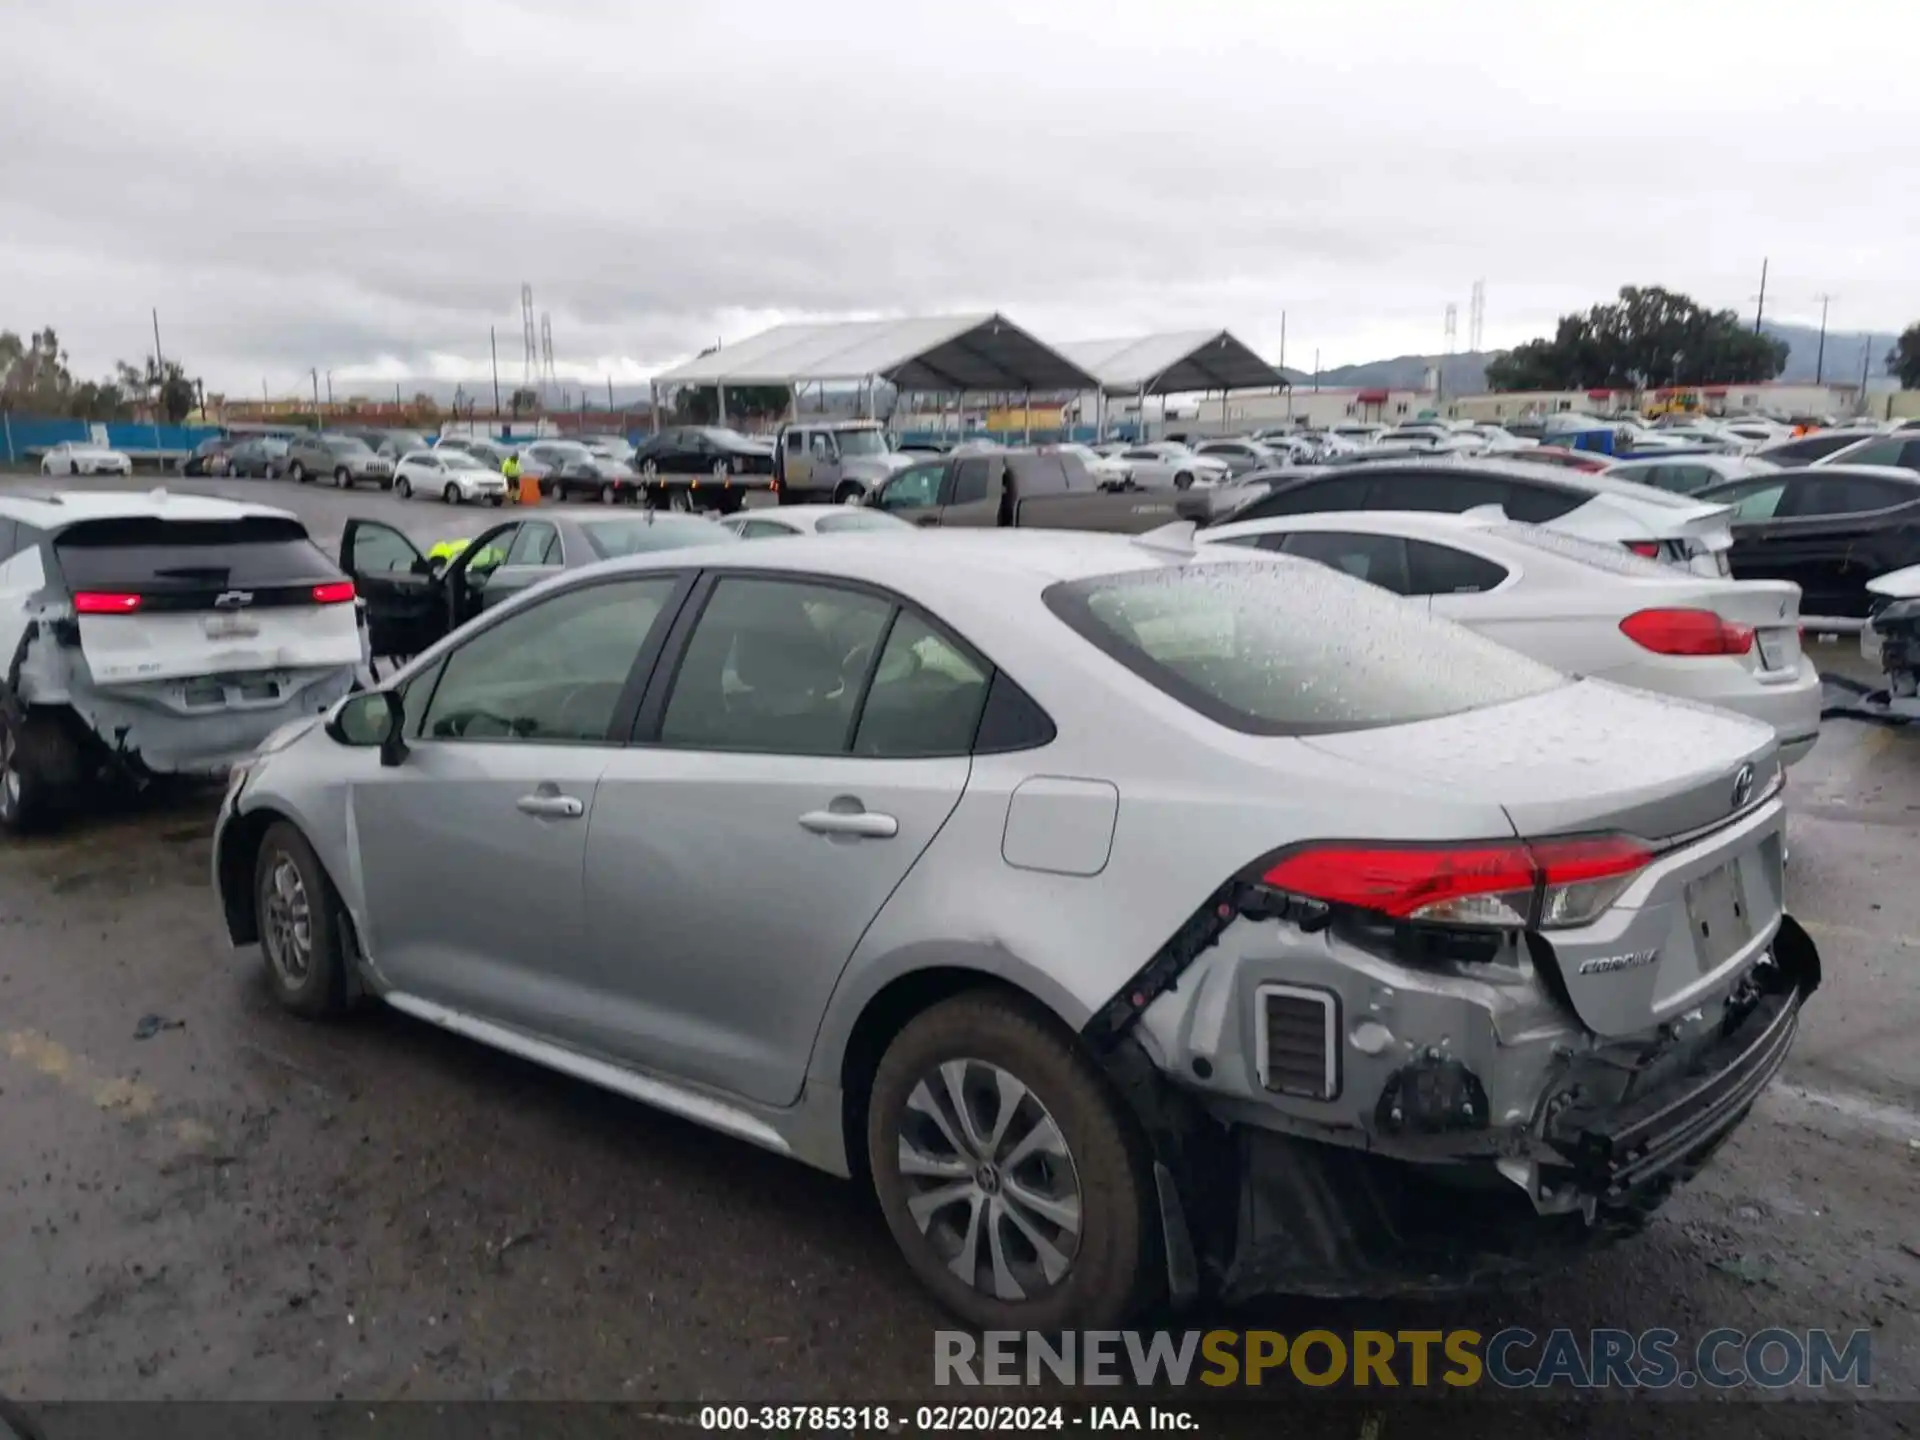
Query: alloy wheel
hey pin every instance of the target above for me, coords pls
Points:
(990, 1180)
(287, 931)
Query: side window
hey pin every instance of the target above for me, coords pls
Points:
(377, 549)
(1752, 502)
(1378, 559)
(1443, 570)
(970, 481)
(1342, 492)
(553, 673)
(774, 666)
(763, 530)
(1879, 452)
(795, 442)
(913, 489)
(926, 696)
(821, 449)
(1538, 504)
(538, 543)
(1441, 490)
(1910, 455)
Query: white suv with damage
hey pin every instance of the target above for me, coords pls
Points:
(156, 634)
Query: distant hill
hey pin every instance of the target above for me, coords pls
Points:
(1467, 374)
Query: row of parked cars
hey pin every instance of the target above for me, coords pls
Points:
(1315, 881)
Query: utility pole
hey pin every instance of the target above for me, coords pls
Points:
(1760, 307)
(609, 394)
(1866, 360)
(329, 389)
(1316, 371)
(159, 363)
(1283, 340)
(493, 344)
(315, 373)
(1820, 356)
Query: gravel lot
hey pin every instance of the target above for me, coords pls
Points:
(245, 1206)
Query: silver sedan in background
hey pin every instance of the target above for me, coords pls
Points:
(1052, 884)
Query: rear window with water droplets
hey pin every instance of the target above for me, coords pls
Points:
(1287, 647)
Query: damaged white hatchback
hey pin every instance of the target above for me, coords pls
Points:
(155, 634)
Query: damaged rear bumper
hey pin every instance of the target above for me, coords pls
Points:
(1278, 1213)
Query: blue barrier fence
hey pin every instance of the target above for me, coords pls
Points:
(25, 437)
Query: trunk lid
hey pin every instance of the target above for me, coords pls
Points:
(164, 599)
(1696, 783)
(1583, 757)
(1693, 533)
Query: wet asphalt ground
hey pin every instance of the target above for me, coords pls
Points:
(202, 1197)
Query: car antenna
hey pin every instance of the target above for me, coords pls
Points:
(1172, 539)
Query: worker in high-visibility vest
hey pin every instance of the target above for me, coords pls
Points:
(510, 467)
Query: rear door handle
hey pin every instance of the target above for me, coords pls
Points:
(549, 806)
(863, 824)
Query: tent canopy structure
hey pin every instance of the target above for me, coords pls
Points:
(972, 354)
(1174, 364)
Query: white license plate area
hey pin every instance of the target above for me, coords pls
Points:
(231, 627)
(1776, 649)
(1719, 915)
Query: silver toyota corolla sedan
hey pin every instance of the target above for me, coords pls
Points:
(1136, 920)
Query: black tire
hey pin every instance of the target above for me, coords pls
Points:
(343, 479)
(1183, 481)
(451, 494)
(851, 492)
(39, 772)
(404, 488)
(319, 991)
(297, 472)
(1111, 1269)
(73, 467)
(609, 494)
(496, 501)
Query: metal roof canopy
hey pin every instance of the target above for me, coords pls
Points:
(970, 354)
(1174, 364)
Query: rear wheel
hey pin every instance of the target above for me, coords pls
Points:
(609, 494)
(851, 492)
(1008, 1174)
(681, 500)
(298, 472)
(451, 494)
(299, 925)
(39, 772)
(73, 467)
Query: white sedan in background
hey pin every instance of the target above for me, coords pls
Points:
(77, 457)
(1168, 462)
(775, 522)
(454, 475)
(1584, 607)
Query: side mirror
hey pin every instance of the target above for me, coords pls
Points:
(373, 719)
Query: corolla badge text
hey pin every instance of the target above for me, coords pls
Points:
(1613, 964)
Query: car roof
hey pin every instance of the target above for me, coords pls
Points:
(937, 567)
(54, 510)
(1395, 521)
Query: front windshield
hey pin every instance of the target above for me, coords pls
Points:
(461, 460)
(862, 442)
(641, 533)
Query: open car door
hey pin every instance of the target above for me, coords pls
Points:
(406, 599)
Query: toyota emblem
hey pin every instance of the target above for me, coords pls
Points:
(1742, 786)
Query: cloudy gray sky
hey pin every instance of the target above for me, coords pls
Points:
(365, 186)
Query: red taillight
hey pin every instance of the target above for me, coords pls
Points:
(1649, 548)
(1500, 883)
(334, 592)
(1686, 632)
(104, 602)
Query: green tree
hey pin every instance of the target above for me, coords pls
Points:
(34, 377)
(1645, 339)
(167, 388)
(699, 404)
(1904, 358)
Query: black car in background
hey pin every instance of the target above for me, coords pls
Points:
(677, 463)
(1829, 529)
(1805, 449)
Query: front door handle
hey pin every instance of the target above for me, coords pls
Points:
(550, 805)
(862, 824)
